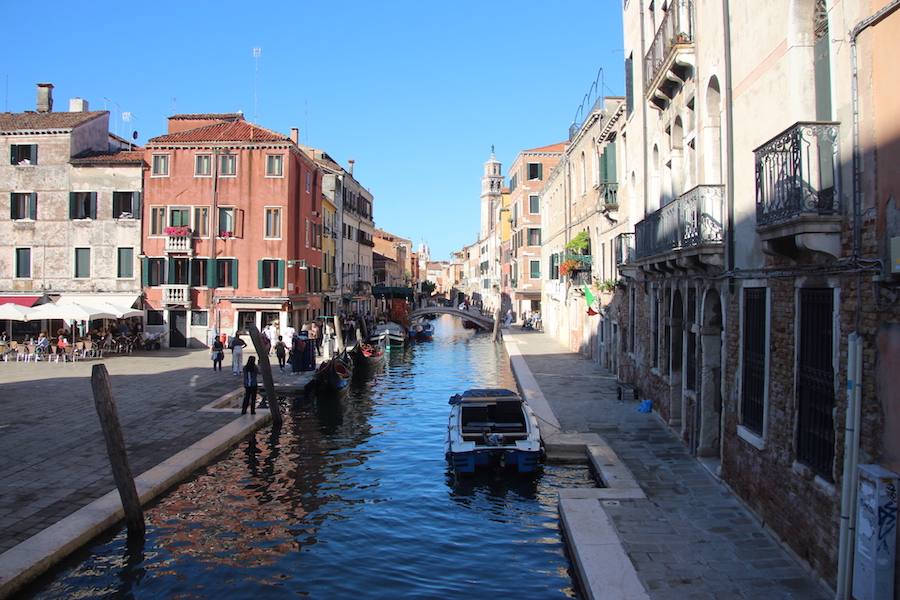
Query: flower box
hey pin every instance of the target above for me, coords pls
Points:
(178, 231)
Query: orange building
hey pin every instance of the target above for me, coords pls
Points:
(232, 230)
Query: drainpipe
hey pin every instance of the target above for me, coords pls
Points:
(854, 368)
(729, 147)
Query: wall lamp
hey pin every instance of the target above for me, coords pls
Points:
(301, 262)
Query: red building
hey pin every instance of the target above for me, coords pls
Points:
(232, 230)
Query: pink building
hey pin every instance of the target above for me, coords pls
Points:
(232, 230)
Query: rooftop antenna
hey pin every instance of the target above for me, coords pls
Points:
(256, 54)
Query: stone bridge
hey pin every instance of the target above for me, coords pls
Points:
(473, 315)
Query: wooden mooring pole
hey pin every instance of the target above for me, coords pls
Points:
(115, 447)
(265, 366)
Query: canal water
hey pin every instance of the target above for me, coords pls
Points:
(351, 499)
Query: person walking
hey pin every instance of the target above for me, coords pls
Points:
(217, 353)
(296, 359)
(237, 353)
(281, 352)
(251, 386)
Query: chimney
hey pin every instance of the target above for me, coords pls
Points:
(350, 170)
(45, 97)
(294, 134)
(78, 105)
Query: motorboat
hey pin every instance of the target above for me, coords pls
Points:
(421, 330)
(390, 334)
(493, 428)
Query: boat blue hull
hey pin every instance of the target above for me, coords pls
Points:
(469, 462)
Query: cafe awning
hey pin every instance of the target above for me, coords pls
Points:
(116, 299)
(20, 300)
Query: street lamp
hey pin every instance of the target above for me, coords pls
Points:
(301, 262)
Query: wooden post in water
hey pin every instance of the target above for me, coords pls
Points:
(496, 325)
(265, 367)
(115, 447)
(339, 334)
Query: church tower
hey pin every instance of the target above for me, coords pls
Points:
(491, 184)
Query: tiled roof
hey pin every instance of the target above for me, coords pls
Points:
(560, 147)
(208, 117)
(232, 131)
(36, 121)
(120, 157)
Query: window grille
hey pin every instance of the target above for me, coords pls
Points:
(754, 360)
(815, 381)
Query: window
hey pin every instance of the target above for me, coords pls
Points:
(226, 272)
(23, 154)
(82, 205)
(82, 263)
(157, 220)
(535, 171)
(126, 205)
(154, 272)
(201, 221)
(308, 181)
(534, 237)
(274, 165)
(228, 165)
(23, 206)
(273, 222)
(226, 222)
(629, 85)
(815, 381)
(179, 217)
(154, 317)
(535, 269)
(200, 273)
(200, 318)
(160, 167)
(179, 271)
(534, 205)
(125, 263)
(554, 266)
(203, 165)
(23, 262)
(271, 274)
(753, 382)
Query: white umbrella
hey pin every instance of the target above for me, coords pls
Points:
(71, 312)
(16, 312)
(121, 312)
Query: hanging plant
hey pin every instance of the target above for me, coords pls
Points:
(225, 234)
(568, 266)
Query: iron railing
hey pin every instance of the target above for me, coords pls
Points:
(797, 173)
(609, 194)
(625, 249)
(677, 27)
(690, 220)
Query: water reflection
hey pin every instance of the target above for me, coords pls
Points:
(352, 498)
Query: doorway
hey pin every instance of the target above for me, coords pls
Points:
(178, 328)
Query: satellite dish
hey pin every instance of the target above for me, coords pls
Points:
(134, 135)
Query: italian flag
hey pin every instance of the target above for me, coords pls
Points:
(589, 298)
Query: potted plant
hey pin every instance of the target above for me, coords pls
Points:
(178, 231)
(568, 266)
(580, 242)
(225, 234)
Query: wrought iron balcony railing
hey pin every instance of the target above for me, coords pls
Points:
(676, 29)
(692, 219)
(797, 173)
(609, 194)
(625, 249)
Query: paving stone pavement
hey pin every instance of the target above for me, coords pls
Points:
(690, 538)
(54, 458)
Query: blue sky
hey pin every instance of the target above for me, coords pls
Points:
(416, 92)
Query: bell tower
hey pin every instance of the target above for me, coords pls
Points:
(491, 184)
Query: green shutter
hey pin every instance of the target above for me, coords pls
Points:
(136, 206)
(212, 273)
(34, 158)
(234, 273)
(280, 274)
(260, 274)
(145, 272)
(93, 208)
(611, 171)
(170, 272)
(72, 211)
(32, 206)
(541, 171)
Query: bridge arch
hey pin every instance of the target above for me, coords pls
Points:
(475, 317)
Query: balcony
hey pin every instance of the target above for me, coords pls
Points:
(624, 249)
(798, 205)
(686, 232)
(671, 56)
(176, 295)
(178, 244)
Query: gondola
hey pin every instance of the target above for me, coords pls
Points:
(367, 355)
(333, 374)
